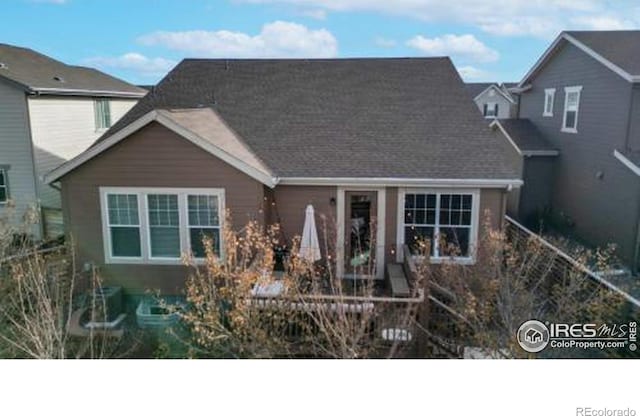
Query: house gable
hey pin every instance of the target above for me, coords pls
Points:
(205, 130)
(560, 41)
(486, 94)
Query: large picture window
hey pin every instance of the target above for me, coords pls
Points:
(444, 221)
(158, 225)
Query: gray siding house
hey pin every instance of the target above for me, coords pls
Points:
(582, 97)
(49, 113)
(494, 100)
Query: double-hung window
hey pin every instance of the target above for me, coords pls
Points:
(123, 221)
(159, 225)
(164, 226)
(571, 108)
(204, 223)
(4, 186)
(102, 113)
(549, 95)
(446, 221)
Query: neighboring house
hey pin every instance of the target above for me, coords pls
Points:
(359, 139)
(583, 96)
(49, 113)
(494, 100)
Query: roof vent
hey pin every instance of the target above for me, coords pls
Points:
(59, 79)
(3, 65)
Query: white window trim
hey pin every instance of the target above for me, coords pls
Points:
(143, 219)
(492, 105)
(96, 115)
(212, 227)
(3, 171)
(567, 91)
(549, 94)
(473, 234)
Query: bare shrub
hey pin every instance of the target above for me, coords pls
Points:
(516, 279)
(312, 313)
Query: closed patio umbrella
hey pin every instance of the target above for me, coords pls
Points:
(309, 246)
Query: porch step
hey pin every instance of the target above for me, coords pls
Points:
(398, 281)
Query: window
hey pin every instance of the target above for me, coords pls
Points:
(204, 222)
(549, 95)
(4, 186)
(102, 112)
(158, 225)
(164, 225)
(490, 110)
(124, 225)
(571, 107)
(445, 220)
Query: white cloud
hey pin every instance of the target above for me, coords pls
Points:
(471, 73)
(540, 18)
(318, 14)
(602, 23)
(276, 40)
(132, 61)
(384, 42)
(465, 47)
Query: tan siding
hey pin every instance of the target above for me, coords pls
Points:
(492, 208)
(289, 211)
(154, 156)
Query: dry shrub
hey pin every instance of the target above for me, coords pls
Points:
(516, 279)
(315, 315)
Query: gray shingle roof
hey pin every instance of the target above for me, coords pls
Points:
(374, 118)
(475, 88)
(621, 47)
(39, 73)
(526, 135)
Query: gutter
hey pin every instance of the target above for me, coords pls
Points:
(407, 182)
(86, 93)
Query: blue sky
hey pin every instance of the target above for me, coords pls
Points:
(140, 40)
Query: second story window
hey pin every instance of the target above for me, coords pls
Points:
(549, 95)
(4, 186)
(490, 110)
(102, 111)
(571, 108)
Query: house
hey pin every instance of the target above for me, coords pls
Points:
(50, 113)
(583, 97)
(359, 139)
(494, 100)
